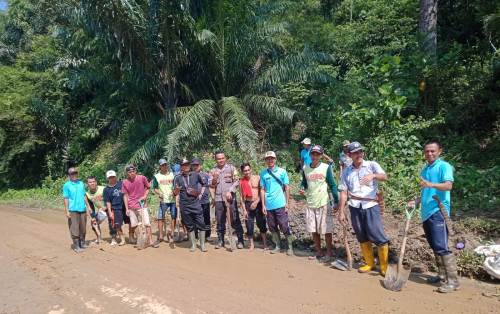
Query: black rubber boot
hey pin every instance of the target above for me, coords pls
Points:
(76, 246)
(441, 274)
(450, 266)
(220, 241)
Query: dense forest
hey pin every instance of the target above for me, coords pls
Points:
(98, 84)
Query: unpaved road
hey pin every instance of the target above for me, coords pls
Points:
(40, 274)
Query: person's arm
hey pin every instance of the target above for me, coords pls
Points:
(203, 186)
(87, 205)
(236, 182)
(445, 186)
(148, 187)
(330, 180)
(125, 202)
(303, 183)
(378, 174)
(156, 189)
(287, 196)
(66, 206)
(342, 202)
(328, 159)
(263, 198)
(177, 188)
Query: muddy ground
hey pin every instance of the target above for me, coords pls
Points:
(40, 274)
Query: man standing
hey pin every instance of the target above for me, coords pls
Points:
(204, 195)
(135, 192)
(252, 205)
(94, 195)
(224, 182)
(163, 186)
(75, 207)
(186, 186)
(344, 160)
(305, 157)
(437, 179)
(113, 198)
(360, 185)
(276, 194)
(317, 178)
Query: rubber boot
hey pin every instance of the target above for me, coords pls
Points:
(82, 244)
(367, 252)
(220, 241)
(441, 274)
(276, 240)
(203, 235)
(383, 258)
(450, 266)
(192, 238)
(289, 240)
(76, 246)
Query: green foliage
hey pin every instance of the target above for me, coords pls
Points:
(487, 227)
(476, 189)
(470, 264)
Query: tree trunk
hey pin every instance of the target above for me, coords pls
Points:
(427, 26)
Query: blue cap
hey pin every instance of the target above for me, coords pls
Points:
(162, 162)
(355, 146)
(195, 161)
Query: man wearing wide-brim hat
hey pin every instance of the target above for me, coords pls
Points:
(359, 185)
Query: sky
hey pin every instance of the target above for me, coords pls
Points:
(3, 5)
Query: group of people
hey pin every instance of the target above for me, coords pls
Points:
(264, 199)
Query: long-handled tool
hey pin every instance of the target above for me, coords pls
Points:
(142, 238)
(396, 275)
(232, 243)
(341, 264)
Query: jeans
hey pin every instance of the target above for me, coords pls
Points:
(436, 233)
(367, 225)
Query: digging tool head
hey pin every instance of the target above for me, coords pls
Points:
(340, 265)
(395, 278)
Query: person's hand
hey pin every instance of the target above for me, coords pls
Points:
(302, 192)
(426, 184)
(68, 214)
(264, 210)
(254, 204)
(286, 208)
(212, 203)
(111, 218)
(161, 196)
(335, 206)
(229, 196)
(367, 179)
(127, 212)
(411, 203)
(245, 214)
(177, 189)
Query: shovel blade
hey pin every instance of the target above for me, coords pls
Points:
(395, 278)
(340, 265)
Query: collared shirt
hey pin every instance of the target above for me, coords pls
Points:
(193, 180)
(275, 196)
(305, 156)
(226, 182)
(438, 172)
(351, 178)
(316, 182)
(74, 192)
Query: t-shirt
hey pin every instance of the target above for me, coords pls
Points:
(96, 198)
(344, 159)
(305, 156)
(193, 180)
(165, 183)
(351, 183)
(135, 190)
(74, 192)
(318, 180)
(274, 194)
(114, 195)
(438, 172)
(205, 198)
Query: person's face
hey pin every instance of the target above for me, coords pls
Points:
(270, 162)
(357, 156)
(432, 152)
(196, 168)
(185, 168)
(220, 159)
(345, 148)
(315, 157)
(92, 184)
(73, 176)
(131, 174)
(164, 168)
(306, 146)
(112, 180)
(247, 171)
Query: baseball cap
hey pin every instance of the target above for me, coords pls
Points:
(306, 141)
(355, 146)
(185, 161)
(162, 162)
(195, 161)
(346, 143)
(130, 168)
(317, 149)
(270, 154)
(72, 170)
(110, 173)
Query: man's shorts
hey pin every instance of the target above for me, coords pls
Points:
(118, 213)
(167, 207)
(136, 212)
(319, 220)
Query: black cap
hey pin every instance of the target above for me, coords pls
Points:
(195, 161)
(355, 146)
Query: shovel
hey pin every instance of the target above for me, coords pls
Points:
(396, 275)
(142, 239)
(232, 243)
(340, 264)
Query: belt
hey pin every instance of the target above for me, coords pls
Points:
(359, 198)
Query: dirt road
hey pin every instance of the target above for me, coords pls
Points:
(40, 274)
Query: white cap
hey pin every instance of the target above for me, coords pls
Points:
(306, 141)
(110, 173)
(269, 154)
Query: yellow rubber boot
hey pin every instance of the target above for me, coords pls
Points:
(383, 257)
(367, 252)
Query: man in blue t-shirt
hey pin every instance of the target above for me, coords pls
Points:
(305, 157)
(275, 192)
(437, 179)
(76, 207)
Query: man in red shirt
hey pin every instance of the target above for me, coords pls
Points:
(135, 192)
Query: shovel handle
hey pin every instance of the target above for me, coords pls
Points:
(347, 249)
(403, 244)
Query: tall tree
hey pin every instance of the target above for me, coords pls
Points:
(427, 26)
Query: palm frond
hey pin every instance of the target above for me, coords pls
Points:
(238, 124)
(151, 147)
(269, 107)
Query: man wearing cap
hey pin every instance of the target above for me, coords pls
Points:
(276, 194)
(75, 207)
(204, 195)
(317, 178)
(135, 192)
(360, 185)
(163, 186)
(344, 160)
(94, 195)
(305, 157)
(187, 187)
(113, 198)
(223, 184)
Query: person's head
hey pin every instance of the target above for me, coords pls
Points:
(185, 166)
(220, 158)
(345, 146)
(73, 174)
(246, 169)
(131, 172)
(316, 153)
(163, 165)
(306, 142)
(92, 183)
(432, 150)
(111, 177)
(196, 165)
(270, 158)
(356, 152)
